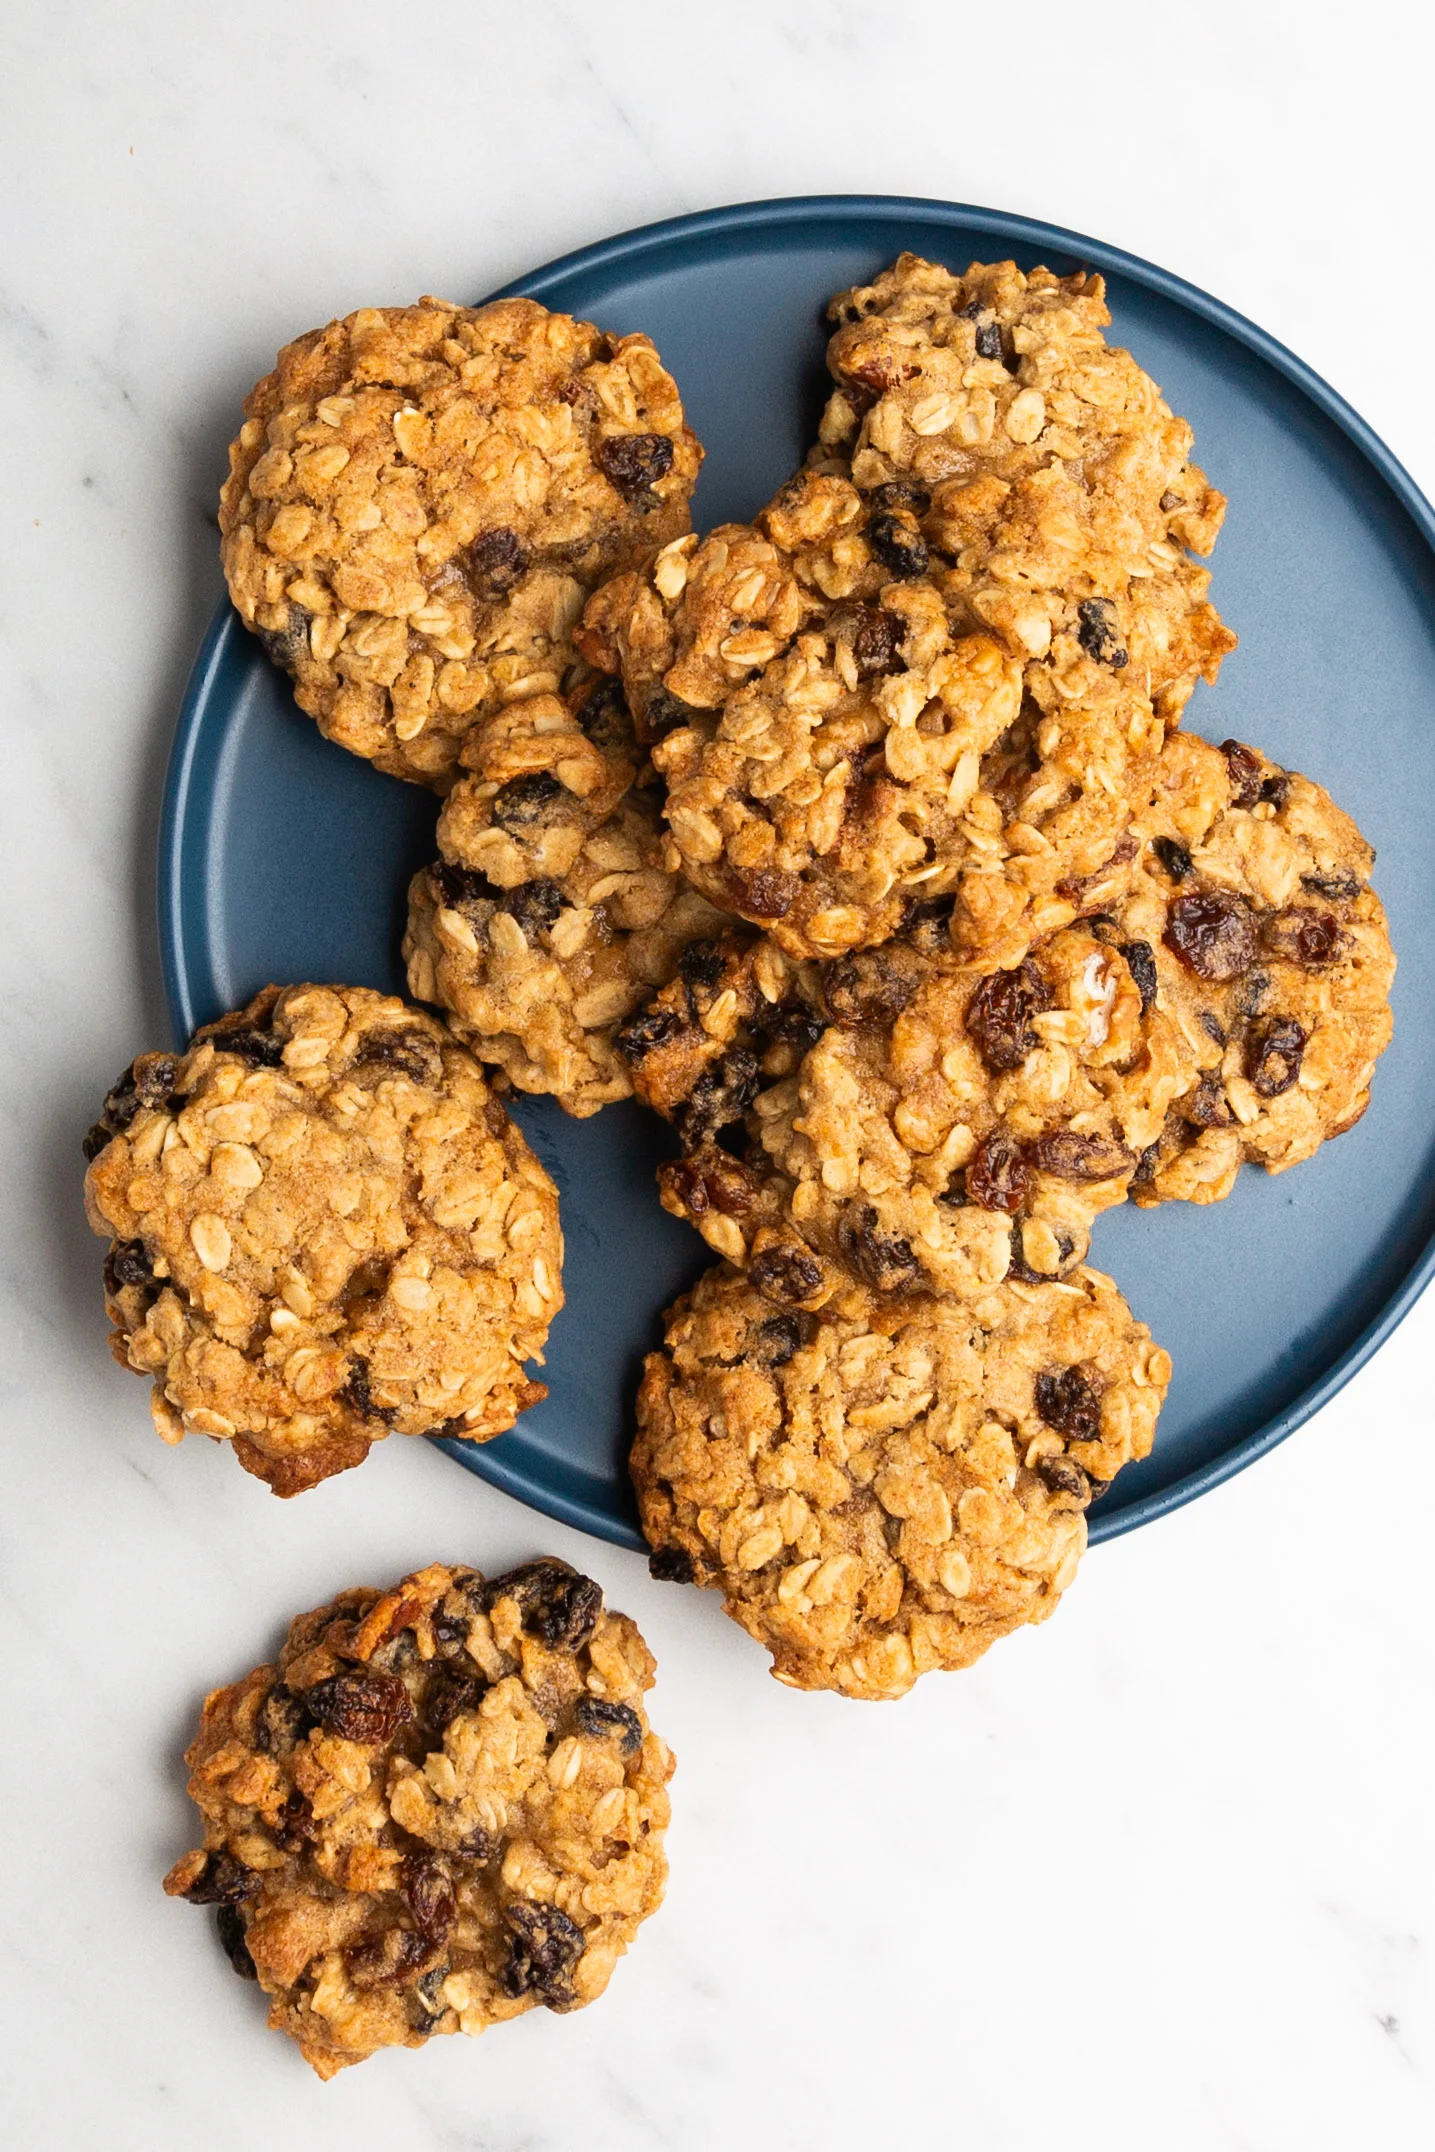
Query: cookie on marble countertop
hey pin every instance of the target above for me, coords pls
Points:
(885, 1486)
(324, 1228)
(422, 497)
(442, 1808)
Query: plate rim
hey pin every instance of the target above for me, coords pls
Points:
(177, 873)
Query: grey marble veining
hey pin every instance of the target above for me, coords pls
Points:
(1160, 1875)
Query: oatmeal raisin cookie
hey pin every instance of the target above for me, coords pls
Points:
(888, 1486)
(1038, 464)
(837, 746)
(918, 1124)
(323, 1228)
(443, 1807)
(1274, 961)
(550, 915)
(422, 497)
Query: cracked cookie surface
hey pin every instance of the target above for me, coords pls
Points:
(885, 1487)
(1038, 463)
(837, 746)
(422, 497)
(550, 915)
(442, 1808)
(323, 1228)
(1274, 960)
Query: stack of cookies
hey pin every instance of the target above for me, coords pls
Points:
(862, 843)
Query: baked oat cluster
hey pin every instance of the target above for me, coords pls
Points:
(422, 497)
(323, 1228)
(442, 1808)
(887, 1486)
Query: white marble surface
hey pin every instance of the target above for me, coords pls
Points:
(1160, 1875)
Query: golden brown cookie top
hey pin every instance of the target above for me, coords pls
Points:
(884, 1487)
(324, 1227)
(442, 1808)
(422, 497)
(1039, 464)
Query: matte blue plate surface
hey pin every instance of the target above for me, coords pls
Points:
(284, 858)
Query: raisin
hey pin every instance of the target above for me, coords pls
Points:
(295, 1826)
(1070, 1404)
(128, 1264)
(545, 1948)
(901, 493)
(884, 1260)
(455, 886)
(670, 1565)
(1073, 1157)
(719, 1098)
(478, 1844)
(495, 561)
(280, 1721)
(448, 1630)
(428, 1892)
(356, 1394)
(261, 1049)
(877, 639)
(387, 1960)
(989, 340)
(603, 718)
(1213, 932)
(147, 1082)
(1000, 1011)
(230, 1925)
(1063, 1475)
(763, 892)
(1340, 888)
(1141, 963)
(996, 1175)
(556, 1604)
(452, 1691)
(793, 1024)
(222, 1881)
(1273, 1055)
(1244, 768)
(634, 462)
(786, 1273)
(412, 1053)
(650, 1028)
(900, 549)
(700, 965)
(1097, 632)
(1146, 1166)
(869, 987)
(1303, 936)
(364, 1707)
(96, 1137)
(1276, 790)
(1021, 1270)
(663, 712)
(775, 1341)
(427, 1998)
(1213, 1027)
(1174, 857)
(525, 800)
(591, 1715)
(710, 1181)
(533, 906)
(287, 645)
(1208, 1105)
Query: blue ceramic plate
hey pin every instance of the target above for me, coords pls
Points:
(283, 858)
